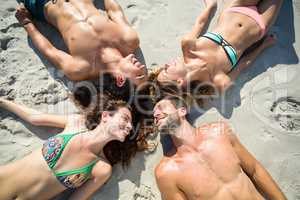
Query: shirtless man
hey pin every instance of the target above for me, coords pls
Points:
(216, 57)
(208, 162)
(97, 43)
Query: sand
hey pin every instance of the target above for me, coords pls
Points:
(266, 121)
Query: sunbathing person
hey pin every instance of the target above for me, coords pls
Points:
(81, 156)
(218, 57)
(98, 44)
(207, 162)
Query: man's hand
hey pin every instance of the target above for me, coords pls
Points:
(23, 15)
(211, 3)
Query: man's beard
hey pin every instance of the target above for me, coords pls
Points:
(171, 124)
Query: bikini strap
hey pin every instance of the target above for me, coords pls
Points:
(66, 139)
(229, 50)
(87, 169)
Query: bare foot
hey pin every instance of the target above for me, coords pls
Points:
(23, 15)
(211, 3)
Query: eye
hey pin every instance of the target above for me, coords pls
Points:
(126, 118)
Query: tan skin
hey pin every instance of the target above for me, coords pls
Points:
(209, 162)
(205, 61)
(97, 43)
(31, 178)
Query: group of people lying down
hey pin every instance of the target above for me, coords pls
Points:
(205, 163)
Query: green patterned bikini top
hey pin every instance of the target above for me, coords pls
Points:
(52, 150)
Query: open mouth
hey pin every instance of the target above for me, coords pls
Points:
(137, 64)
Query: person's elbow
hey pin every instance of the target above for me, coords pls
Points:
(36, 119)
(104, 174)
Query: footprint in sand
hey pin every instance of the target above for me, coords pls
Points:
(11, 26)
(144, 192)
(11, 9)
(144, 11)
(6, 42)
(275, 105)
(287, 113)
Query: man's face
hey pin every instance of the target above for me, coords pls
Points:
(133, 70)
(166, 116)
(172, 71)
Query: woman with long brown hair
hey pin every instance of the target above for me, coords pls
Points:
(80, 157)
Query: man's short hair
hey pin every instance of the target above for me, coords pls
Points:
(177, 101)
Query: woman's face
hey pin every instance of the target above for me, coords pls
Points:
(172, 71)
(119, 124)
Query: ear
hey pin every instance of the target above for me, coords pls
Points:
(120, 80)
(104, 116)
(180, 82)
(182, 112)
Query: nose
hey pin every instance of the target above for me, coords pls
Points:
(156, 114)
(167, 66)
(129, 127)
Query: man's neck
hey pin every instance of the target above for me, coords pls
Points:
(111, 58)
(184, 134)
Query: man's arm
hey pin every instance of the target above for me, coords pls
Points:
(115, 12)
(256, 172)
(33, 116)
(166, 182)
(60, 59)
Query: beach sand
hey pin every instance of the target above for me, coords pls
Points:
(257, 107)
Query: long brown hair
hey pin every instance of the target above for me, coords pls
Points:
(194, 93)
(93, 106)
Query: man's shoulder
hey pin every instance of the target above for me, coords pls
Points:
(218, 127)
(166, 167)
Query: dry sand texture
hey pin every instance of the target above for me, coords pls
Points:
(266, 121)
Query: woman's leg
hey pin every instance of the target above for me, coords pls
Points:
(269, 10)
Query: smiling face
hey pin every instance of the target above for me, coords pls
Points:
(173, 71)
(167, 116)
(132, 69)
(119, 123)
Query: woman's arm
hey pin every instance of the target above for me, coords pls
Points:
(33, 116)
(101, 173)
(188, 41)
(202, 20)
(249, 58)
